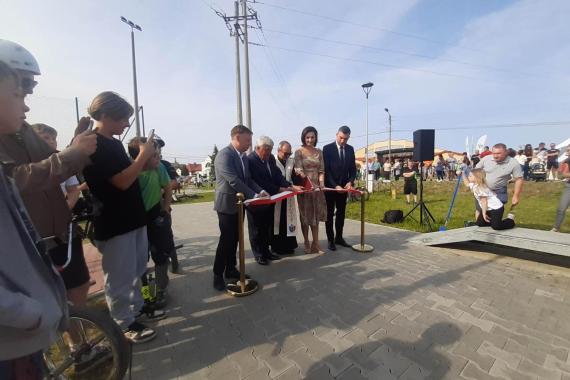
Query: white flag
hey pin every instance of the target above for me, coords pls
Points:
(481, 143)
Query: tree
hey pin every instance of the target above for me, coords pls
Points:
(212, 174)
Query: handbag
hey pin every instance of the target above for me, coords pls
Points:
(393, 216)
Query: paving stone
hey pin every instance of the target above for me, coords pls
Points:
(277, 364)
(319, 373)
(526, 366)
(259, 374)
(337, 343)
(293, 373)
(512, 360)
(245, 362)
(502, 369)
(352, 373)
(337, 364)
(474, 372)
(553, 363)
(390, 360)
(302, 360)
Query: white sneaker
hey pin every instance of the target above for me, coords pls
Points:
(511, 216)
(554, 230)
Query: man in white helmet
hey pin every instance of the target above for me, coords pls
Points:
(38, 170)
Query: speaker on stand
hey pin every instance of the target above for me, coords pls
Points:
(424, 140)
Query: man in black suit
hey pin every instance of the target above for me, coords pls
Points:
(340, 173)
(232, 177)
(265, 173)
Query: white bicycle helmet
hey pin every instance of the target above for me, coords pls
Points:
(18, 57)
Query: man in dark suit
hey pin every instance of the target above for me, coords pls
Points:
(265, 173)
(232, 177)
(340, 173)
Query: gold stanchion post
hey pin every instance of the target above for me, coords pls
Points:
(362, 247)
(244, 287)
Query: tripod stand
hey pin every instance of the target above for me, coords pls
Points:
(426, 218)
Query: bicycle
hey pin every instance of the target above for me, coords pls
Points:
(97, 333)
(96, 329)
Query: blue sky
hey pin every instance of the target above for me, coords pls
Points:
(465, 68)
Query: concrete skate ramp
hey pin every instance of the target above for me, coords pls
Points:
(536, 240)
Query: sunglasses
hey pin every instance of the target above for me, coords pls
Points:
(28, 84)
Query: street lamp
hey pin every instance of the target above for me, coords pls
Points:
(389, 135)
(367, 87)
(134, 26)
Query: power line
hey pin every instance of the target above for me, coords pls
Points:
(278, 74)
(385, 30)
(401, 52)
(379, 64)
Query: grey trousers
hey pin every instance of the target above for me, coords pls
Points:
(562, 206)
(124, 262)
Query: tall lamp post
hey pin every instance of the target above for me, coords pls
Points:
(392, 188)
(389, 135)
(134, 26)
(367, 87)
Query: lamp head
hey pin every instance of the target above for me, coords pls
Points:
(386, 109)
(367, 85)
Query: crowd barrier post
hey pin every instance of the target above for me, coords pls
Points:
(243, 287)
(362, 247)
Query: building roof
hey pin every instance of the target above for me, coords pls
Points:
(397, 146)
(193, 168)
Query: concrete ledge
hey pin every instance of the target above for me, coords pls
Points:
(536, 240)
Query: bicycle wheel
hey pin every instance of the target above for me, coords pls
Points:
(95, 330)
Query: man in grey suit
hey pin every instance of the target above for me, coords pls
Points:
(232, 177)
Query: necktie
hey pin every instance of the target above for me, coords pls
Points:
(342, 155)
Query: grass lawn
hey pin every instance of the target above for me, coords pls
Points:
(537, 208)
(198, 197)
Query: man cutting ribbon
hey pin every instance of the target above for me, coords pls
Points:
(340, 173)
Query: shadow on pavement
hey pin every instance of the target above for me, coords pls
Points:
(304, 297)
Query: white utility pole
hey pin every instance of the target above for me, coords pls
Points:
(238, 70)
(246, 69)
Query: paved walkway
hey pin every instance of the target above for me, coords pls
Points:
(401, 312)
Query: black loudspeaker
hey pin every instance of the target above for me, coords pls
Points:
(424, 144)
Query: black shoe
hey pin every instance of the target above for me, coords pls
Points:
(150, 313)
(342, 242)
(272, 257)
(262, 261)
(92, 358)
(234, 275)
(332, 246)
(219, 283)
(139, 333)
(175, 267)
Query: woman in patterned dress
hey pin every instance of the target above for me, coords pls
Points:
(309, 164)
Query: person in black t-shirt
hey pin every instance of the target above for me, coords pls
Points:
(552, 161)
(410, 182)
(120, 217)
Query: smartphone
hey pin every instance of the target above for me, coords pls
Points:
(91, 123)
(151, 134)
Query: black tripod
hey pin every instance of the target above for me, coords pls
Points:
(426, 218)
